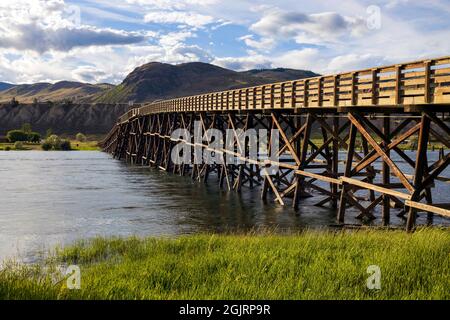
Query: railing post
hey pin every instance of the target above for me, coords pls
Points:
(427, 91)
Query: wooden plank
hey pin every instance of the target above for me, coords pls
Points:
(376, 188)
(429, 208)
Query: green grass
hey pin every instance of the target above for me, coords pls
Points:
(76, 146)
(27, 146)
(310, 265)
(84, 146)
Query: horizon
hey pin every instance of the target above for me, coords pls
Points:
(94, 41)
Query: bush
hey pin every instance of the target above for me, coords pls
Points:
(18, 145)
(54, 140)
(56, 143)
(16, 135)
(8, 148)
(65, 145)
(80, 137)
(34, 137)
(46, 146)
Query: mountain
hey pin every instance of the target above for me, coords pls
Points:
(63, 90)
(154, 81)
(280, 74)
(5, 86)
(71, 107)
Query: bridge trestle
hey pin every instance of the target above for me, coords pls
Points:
(349, 157)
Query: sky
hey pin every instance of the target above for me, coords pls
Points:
(100, 41)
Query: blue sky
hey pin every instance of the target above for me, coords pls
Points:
(103, 40)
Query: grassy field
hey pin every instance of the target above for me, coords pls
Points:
(85, 146)
(310, 265)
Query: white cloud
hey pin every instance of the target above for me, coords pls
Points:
(37, 38)
(178, 17)
(243, 63)
(172, 4)
(264, 44)
(353, 61)
(297, 59)
(52, 25)
(320, 28)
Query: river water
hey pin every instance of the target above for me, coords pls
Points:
(56, 198)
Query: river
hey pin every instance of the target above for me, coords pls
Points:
(56, 198)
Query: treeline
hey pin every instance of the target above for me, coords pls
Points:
(26, 134)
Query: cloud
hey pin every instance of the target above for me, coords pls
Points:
(308, 28)
(243, 63)
(42, 26)
(355, 61)
(298, 59)
(88, 74)
(40, 39)
(178, 17)
(264, 44)
(172, 4)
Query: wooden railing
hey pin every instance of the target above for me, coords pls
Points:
(414, 83)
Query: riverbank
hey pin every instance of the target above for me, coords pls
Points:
(309, 265)
(75, 145)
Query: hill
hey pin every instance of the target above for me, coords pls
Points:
(70, 107)
(5, 86)
(155, 81)
(63, 90)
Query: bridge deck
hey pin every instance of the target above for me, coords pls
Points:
(425, 82)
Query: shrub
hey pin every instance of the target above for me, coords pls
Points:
(80, 137)
(54, 140)
(34, 137)
(8, 148)
(18, 145)
(16, 135)
(46, 146)
(65, 145)
(56, 143)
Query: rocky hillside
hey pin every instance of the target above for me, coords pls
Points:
(61, 118)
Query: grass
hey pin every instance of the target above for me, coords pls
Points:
(27, 146)
(84, 146)
(309, 265)
(76, 145)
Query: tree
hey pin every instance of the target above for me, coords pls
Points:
(80, 137)
(18, 145)
(65, 145)
(54, 140)
(48, 133)
(16, 135)
(34, 137)
(26, 127)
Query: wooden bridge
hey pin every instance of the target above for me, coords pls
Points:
(370, 114)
